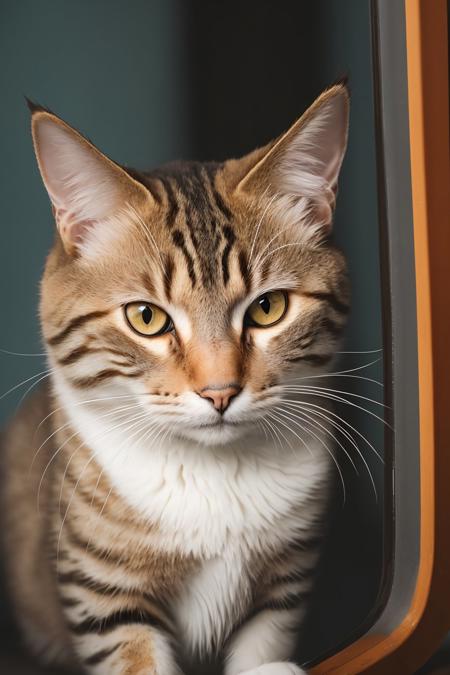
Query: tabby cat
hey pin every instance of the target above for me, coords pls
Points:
(161, 497)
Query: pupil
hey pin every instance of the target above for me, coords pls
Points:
(264, 303)
(147, 315)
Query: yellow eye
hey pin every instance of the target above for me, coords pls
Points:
(267, 310)
(147, 319)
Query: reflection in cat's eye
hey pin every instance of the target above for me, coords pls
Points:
(147, 319)
(267, 310)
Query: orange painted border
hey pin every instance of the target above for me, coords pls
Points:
(426, 622)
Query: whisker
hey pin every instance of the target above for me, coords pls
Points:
(141, 425)
(358, 377)
(273, 416)
(276, 412)
(271, 430)
(279, 233)
(338, 372)
(336, 463)
(102, 434)
(279, 248)
(345, 433)
(150, 237)
(266, 208)
(367, 351)
(91, 400)
(259, 422)
(9, 353)
(340, 399)
(25, 382)
(34, 384)
(68, 424)
(326, 411)
(308, 388)
(91, 459)
(327, 431)
(53, 457)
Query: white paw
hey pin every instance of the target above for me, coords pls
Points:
(279, 668)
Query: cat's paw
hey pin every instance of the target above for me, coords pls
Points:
(279, 668)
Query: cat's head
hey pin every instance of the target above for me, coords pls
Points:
(191, 293)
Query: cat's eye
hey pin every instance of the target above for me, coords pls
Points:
(267, 310)
(147, 319)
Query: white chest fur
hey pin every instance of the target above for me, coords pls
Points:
(222, 505)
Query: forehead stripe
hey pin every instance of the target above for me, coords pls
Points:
(178, 240)
(148, 284)
(209, 173)
(230, 239)
(168, 277)
(243, 268)
(172, 203)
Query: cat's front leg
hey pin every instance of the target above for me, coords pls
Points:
(264, 644)
(122, 642)
(130, 650)
(266, 640)
(114, 631)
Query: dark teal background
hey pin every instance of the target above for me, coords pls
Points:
(154, 80)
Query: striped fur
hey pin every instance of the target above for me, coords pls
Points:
(164, 525)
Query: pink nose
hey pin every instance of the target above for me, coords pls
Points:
(219, 395)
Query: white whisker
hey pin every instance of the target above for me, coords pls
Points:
(279, 248)
(266, 208)
(8, 353)
(341, 399)
(338, 372)
(278, 234)
(34, 384)
(290, 414)
(136, 420)
(273, 416)
(56, 453)
(367, 351)
(68, 424)
(344, 449)
(341, 419)
(311, 388)
(46, 372)
(150, 238)
(336, 463)
(91, 400)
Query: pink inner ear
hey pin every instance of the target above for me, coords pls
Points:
(72, 231)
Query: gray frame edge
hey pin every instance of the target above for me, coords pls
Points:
(394, 153)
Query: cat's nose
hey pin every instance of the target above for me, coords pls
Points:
(219, 395)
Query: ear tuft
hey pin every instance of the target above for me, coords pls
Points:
(342, 81)
(34, 107)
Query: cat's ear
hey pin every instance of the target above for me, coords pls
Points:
(299, 171)
(88, 191)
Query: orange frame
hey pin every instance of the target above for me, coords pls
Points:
(427, 620)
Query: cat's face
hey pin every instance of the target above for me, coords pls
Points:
(182, 299)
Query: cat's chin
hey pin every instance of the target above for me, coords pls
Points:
(213, 434)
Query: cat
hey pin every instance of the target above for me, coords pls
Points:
(163, 496)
